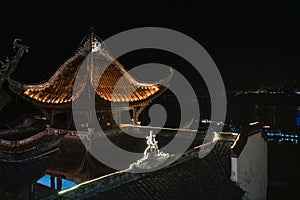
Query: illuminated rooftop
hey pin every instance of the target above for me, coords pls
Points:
(58, 89)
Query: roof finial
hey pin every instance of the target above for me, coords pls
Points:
(92, 37)
(92, 29)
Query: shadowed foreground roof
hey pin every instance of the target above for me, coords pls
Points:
(58, 90)
(70, 160)
(16, 174)
(188, 178)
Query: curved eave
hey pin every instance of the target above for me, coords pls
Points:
(102, 101)
(141, 102)
(37, 103)
(60, 168)
(57, 92)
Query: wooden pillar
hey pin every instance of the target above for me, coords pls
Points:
(51, 118)
(59, 183)
(46, 113)
(139, 111)
(31, 191)
(134, 115)
(52, 182)
(69, 119)
(117, 115)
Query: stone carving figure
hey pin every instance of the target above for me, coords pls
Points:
(152, 144)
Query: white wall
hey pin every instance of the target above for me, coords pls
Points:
(233, 176)
(252, 168)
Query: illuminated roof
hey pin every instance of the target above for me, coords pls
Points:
(58, 90)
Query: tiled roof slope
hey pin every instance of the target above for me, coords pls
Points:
(188, 178)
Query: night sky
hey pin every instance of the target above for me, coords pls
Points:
(250, 42)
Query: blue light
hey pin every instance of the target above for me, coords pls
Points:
(45, 180)
(280, 137)
(297, 118)
(67, 184)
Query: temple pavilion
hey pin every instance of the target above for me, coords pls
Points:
(54, 96)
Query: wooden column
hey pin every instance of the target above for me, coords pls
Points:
(51, 118)
(139, 111)
(31, 191)
(134, 115)
(52, 182)
(117, 115)
(59, 183)
(69, 119)
(47, 114)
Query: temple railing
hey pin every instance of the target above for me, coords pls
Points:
(84, 134)
(30, 139)
(17, 130)
(81, 134)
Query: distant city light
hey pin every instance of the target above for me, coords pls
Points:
(266, 126)
(253, 123)
(282, 137)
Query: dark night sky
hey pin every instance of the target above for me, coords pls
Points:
(250, 42)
